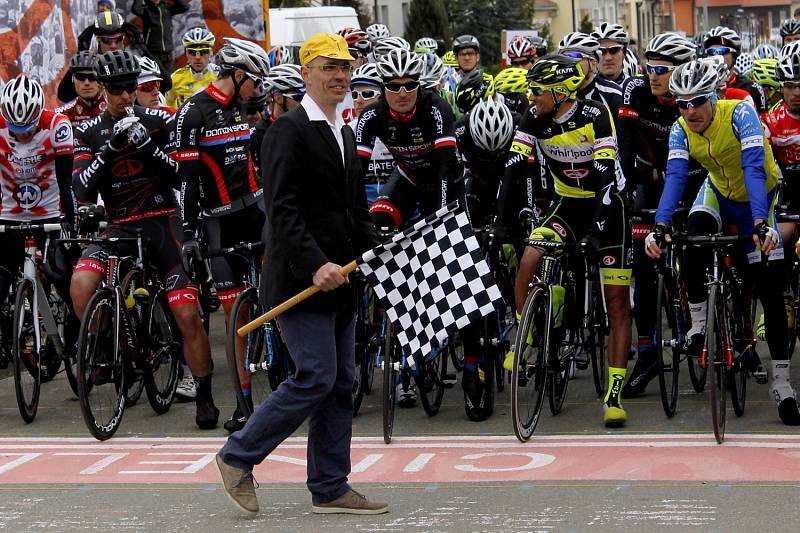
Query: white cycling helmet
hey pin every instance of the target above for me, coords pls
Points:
(520, 47)
(790, 27)
(400, 64)
(630, 64)
(22, 103)
(285, 79)
(429, 44)
(491, 124)
(672, 47)
(694, 78)
(790, 49)
(149, 71)
(766, 51)
(611, 32)
(723, 71)
(744, 64)
(432, 72)
(722, 36)
(582, 43)
(367, 74)
(243, 55)
(378, 31)
(788, 68)
(383, 46)
(199, 37)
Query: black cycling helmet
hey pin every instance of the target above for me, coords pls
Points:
(539, 44)
(108, 23)
(472, 88)
(117, 66)
(466, 41)
(562, 74)
(83, 60)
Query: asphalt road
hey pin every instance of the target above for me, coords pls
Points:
(596, 478)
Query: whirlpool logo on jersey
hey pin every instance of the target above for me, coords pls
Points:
(568, 153)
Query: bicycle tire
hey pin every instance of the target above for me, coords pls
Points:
(359, 375)
(698, 374)
(430, 383)
(559, 367)
(596, 337)
(102, 418)
(162, 361)
(133, 392)
(669, 311)
(457, 353)
(391, 355)
(26, 357)
(737, 385)
(247, 302)
(529, 380)
(71, 370)
(715, 357)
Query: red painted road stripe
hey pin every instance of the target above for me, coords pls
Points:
(416, 459)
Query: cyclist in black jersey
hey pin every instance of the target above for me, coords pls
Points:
(645, 119)
(613, 42)
(122, 155)
(484, 137)
(417, 127)
(584, 47)
(213, 148)
(579, 147)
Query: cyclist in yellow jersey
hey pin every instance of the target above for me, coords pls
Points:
(579, 147)
(741, 190)
(198, 72)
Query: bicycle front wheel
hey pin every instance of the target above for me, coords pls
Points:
(100, 369)
(596, 337)
(670, 314)
(161, 358)
(248, 350)
(391, 363)
(529, 374)
(716, 345)
(26, 353)
(430, 382)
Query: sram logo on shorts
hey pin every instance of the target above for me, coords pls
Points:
(559, 229)
(609, 260)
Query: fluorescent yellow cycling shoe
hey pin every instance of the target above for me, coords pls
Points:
(508, 362)
(614, 416)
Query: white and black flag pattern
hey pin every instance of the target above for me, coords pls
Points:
(432, 280)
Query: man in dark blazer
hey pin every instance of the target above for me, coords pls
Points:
(318, 221)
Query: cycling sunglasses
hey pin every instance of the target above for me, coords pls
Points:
(535, 90)
(83, 76)
(521, 62)
(695, 102)
(409, 86)
(259, 82)
(659, 70)
(790, 85)
(198, 51)
(573, 55)
(112, 39)
(719, 51)
(611, 50)
(366, 94)
(20, 129)
(118, 89)
(149, 86)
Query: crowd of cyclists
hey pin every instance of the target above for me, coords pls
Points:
(583, 139)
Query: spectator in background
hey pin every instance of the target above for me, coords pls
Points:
(105, 5)
(797, 14)
(156, 18)
(199, 72)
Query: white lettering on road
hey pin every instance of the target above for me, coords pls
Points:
(536, 460)
(367, 462)
(191, 466)
(419, 462)
(97, 466)
(21, 458)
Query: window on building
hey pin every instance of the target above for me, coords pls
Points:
(405, 6)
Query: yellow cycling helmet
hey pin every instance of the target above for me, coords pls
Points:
(561, 74)
(765, 72)
(449, 59)
(511, 80)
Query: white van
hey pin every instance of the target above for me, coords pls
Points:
(295, 25)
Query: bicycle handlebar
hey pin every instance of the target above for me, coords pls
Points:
(29, 227)
(716, 239)
(242, 248)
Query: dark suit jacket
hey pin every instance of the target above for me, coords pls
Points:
(316, 210)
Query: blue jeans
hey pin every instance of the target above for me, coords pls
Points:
(322, 346)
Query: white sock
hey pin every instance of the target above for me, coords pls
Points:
(781, 370)
(698, 315)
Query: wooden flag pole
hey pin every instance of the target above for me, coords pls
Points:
(288, 304)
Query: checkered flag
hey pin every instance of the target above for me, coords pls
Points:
(432, 279)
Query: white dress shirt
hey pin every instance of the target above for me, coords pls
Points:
(315, 114)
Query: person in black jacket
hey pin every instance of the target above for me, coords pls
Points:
(156, 18)
(318, 220)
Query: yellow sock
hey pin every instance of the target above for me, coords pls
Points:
(616, 379)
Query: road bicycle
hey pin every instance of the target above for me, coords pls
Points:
(564, 314)
(127, 333)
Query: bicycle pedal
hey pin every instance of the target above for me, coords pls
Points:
(449, 381)
(760, 375)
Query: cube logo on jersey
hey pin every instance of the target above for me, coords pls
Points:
(28, 195)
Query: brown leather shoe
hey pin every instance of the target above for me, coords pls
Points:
(238, 485)
(351, 503)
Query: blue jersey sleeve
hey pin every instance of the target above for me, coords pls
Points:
(747, 127)
(677, 171)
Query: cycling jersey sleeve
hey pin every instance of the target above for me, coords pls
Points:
(188, 127)
(366, 135)
(63, 144)
(677, 171)
(88, 167)
(747, 128)
(628, 127)
(520, 156)
(444, 148)
(605, 165)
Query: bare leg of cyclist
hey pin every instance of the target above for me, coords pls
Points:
(619, 340)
